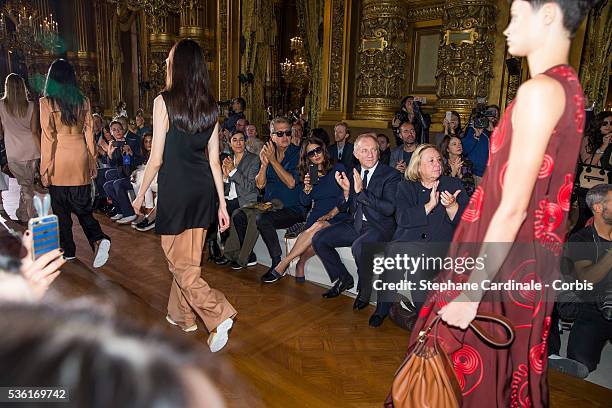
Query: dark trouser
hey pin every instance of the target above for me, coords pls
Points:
(100, 180)
(341, 235)
(267, 224)
(66, 200)
(588, 336)
(116, 188)
(211, 234)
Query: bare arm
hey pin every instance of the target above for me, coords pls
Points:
(160, 128)
(215, 165)
(260, 179)
(540, 104)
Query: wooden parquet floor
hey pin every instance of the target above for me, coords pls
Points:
(289, 346)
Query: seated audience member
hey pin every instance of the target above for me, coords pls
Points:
(369, 193)
(239, 172)
(429, 207)
(128, 133)
(476, 147)
(147, 222)
(98, 126)
(125, 156)
(297, 131)
(400, 156)
(385, 150)
(278, 176)
(324, 196)
(590, 249)
(237, 112)
(98, 360)
(322, 134)
(456, 165)
(23, 279)
(141, 126)
(342, 150)
(253, 143)
(451, 127)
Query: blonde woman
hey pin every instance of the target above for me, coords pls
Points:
(19, 128)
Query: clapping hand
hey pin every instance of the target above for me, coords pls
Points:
(357, 181)
(263, 158)
(343, 181)
(456, 167)
(448, 200)
(434, 198)
(269, 151)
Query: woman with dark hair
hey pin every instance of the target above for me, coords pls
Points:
(19, 130)
(324, 195)
(456, 164)
(146, 222)
(407, 113)
(185, 153)
(596, 147)
(68, 159)
(321, 134)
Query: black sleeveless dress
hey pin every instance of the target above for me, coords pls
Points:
(186, 189)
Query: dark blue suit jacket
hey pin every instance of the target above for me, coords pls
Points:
(412, 222)
(378, 201)
(348, 159)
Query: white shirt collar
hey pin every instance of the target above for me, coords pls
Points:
(370, 171)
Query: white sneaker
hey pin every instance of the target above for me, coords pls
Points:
(218, 339)
(116, 217)
(102, 253)
(188, 329)
(127, 220)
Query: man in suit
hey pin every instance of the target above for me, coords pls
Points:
(369, 194)
(342, 151)
(401, 155)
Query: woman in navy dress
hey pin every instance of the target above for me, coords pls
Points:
(324, 197)
(185, 129)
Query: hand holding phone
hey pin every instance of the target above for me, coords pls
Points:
(313, 172)
(44, 229)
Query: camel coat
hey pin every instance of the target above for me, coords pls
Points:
(68, 153)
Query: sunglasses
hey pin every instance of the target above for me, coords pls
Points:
(605, 123)
(314, 152)
(286, 133)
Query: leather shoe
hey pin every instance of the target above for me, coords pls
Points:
(339, 287)
(376, 320)
(359, 304)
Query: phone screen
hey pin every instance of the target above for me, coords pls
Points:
(448, 116)
(45, 235)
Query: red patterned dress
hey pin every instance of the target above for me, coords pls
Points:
(515, 376)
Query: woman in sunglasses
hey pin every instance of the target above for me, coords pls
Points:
(323, 194)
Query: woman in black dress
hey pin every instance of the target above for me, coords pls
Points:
(186, 154)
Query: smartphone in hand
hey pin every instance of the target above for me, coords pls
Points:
(313, 171)
(45, 235)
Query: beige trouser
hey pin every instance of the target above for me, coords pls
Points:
(24, 173)
(190, 294)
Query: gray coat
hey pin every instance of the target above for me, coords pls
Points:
(244, 178)
(397, 155)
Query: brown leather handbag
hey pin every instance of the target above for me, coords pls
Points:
(426, 378)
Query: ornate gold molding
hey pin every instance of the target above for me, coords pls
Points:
(466, 68)
(380, 76)
(424, 10)
(336, 56)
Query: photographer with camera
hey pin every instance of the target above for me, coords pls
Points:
(591, 252)
(476, 140)
(238, 105)
(410, 111)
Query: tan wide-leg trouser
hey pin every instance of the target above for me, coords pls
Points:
(24, 173)
(190, 294)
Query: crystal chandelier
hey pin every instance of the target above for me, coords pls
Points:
(24, 28)
(157, 10)
(295, 71)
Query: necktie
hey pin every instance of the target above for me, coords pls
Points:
(339, 154)
(358, 222)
